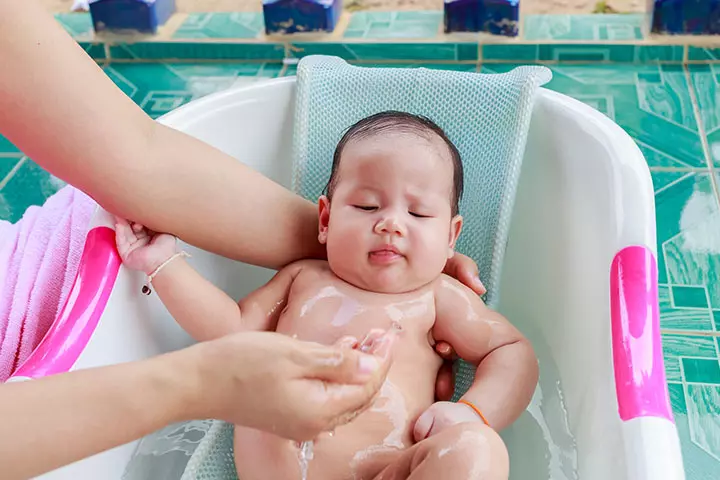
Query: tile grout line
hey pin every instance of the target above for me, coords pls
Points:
(675, 182)
(679, 169)
(690, 333)
(12, 172)
(703, 135)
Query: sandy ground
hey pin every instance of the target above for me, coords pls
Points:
(527, 6)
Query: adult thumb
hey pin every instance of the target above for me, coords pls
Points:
(423, 425)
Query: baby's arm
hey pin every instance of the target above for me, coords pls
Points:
(507, 369)
(201, 308)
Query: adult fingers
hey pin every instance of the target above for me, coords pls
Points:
(445, 350)
(344, 366)
(423, 425)
(445, 383)
(465, 270)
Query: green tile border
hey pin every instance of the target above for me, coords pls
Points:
(257, 52)
(701, 370)
(405, 36)
(96, 51)
(582, 52)
(703, 54)
(363, 51)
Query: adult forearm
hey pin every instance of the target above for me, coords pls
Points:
(67, 115)
(504, 383)
(211, 200)
(54, 421)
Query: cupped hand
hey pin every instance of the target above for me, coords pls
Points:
(295, 389)
(441, 415)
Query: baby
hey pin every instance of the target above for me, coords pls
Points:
(389, 221)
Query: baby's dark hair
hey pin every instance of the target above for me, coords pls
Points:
(394, 121)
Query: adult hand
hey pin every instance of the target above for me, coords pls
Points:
(294, 389)
(464, 269)
(440, 416)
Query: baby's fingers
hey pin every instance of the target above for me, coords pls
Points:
(123, 236)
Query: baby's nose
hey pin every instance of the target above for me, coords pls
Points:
(389, 224)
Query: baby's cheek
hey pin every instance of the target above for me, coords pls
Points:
(431, 255)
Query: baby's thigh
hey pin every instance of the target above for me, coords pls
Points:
(464, 451)
(259, 455)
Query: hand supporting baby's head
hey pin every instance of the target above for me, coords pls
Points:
(390, 218)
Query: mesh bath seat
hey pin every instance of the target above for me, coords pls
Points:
(487, 116)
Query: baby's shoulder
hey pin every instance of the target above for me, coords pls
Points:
(445, 285)
(306, 269)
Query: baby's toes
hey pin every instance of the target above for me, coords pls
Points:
(137, 228)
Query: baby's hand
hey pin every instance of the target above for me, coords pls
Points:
(140, 248)
(441, 415)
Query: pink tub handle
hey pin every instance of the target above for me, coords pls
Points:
(640, 382)
(70, 333)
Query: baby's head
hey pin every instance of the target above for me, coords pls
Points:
(390, 215)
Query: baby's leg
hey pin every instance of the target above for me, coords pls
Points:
(469, 451)
(260, 455)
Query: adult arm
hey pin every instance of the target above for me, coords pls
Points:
(60, 109)
(261, 380)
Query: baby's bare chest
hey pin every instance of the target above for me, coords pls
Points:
(323, 310)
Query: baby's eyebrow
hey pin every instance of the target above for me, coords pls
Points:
(365, 189)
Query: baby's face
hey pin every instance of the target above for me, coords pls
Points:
(390, 227)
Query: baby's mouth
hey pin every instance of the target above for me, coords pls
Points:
(385, 255)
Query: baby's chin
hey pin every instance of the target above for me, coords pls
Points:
(386, 282)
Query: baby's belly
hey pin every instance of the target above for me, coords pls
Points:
(358, 450)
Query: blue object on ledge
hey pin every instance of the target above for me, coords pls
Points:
(143, 16)
(686, 17)
(292, 16)
(498, 17)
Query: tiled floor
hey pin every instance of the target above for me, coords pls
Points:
(394, 24)
(221, 25)
(673, 112)
(583, 27)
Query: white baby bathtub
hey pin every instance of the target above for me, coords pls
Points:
(579, 279)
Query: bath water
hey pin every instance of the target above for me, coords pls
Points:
(304, 456)
(540, 442)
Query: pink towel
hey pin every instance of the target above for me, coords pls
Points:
(39, 257)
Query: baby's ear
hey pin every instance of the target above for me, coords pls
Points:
(323, 218)
(455, 228)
